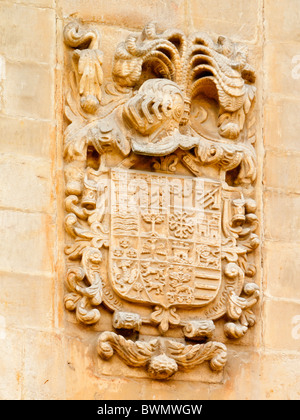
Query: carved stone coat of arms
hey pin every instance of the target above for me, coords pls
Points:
(160, 169)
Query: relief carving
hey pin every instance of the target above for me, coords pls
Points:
(160, 169)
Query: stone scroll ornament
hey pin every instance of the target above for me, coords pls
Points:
(160, 169)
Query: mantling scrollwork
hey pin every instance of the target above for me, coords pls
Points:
(160, 170)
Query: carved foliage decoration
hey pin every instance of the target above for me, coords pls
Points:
(160, 169)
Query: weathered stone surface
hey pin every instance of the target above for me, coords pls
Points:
(241, 377)
(281, 82)
(120, 14)
(17, 291)
(11, 362)
(45, 350)
(282, 124)
(281, 268)
(275, 367)
(281, 325)
(280, 169)
(37, 3)
(283, 219)
(29, 174)
(27, 137)
(228, 21)
(25, 242)
(46, 353)
(28, 96)
(284, 16)
(23, 42)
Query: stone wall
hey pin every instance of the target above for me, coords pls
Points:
(45, 354)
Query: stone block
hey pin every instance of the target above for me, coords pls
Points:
(11, 362)
(27, 241)
(175, 390)
(282, 124)
(37, 3)
(282, 216)
(111, 388)
(280, 169)
(281, 325)
(281, 268)
(284, 15)
(21, 41)
(44, 366)
(81, 383)
(27, 136)
(18, 291)
(29, 90)
(238, 20)
(280, 377)
(241, 377)
(26, 183)
(282, 74)
(134, 15)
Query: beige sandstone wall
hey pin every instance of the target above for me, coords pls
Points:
(44, 353)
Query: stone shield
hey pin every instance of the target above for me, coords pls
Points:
(165, 238)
